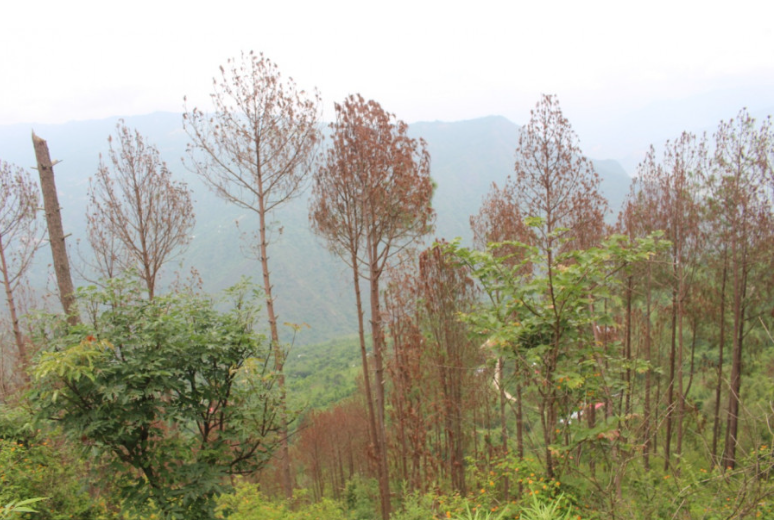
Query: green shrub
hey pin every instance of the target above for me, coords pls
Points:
(247, 503)
(176, 394)
(361, 498)
(38, 469)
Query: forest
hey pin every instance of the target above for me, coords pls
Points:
(575, 361)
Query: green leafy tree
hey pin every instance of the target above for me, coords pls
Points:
(545, 320)
(177, 395)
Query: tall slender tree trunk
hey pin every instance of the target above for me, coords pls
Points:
(56, 234)
(658, 397)
(378, 345)
(671, 381)
(279, 355)
(504, 430)
(520, 416)
(680, 369)
(364, 356)
(628, 350)
(739, 288)
(719, 378)
(647, 400)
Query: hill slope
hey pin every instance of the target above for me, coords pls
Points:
(312, 286)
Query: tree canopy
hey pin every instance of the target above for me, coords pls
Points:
(176, 394)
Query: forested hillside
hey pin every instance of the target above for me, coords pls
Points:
(467, 320)
(466, 158)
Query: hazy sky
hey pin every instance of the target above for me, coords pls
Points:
(423, 60)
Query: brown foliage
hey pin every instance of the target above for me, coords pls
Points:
(332, 446)
(20, 236)
(554, 181)
(256, 151)
(138, 216)
(373, 189)
(371, 200)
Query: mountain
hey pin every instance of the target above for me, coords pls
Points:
(627, 135)
(311, 285)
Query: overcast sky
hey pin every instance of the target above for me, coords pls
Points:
(423, 60)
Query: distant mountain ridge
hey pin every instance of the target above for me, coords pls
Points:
(312, 286)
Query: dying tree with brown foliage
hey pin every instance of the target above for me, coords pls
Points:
(138, 216)
(665, 198)
(332, 446)
(408, 371)
(446, 291)
(371, 199)
(741, 187)
(20, 236)
(554, 181)
(256, 151)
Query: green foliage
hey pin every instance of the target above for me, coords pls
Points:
(416, 506)
(708, 494)
(552, 510)
(15, 424)
(481, 514)
(19, 506)
(320, 375)
(247, 503)
(542, 313)
(527, 307)
(361, 496)
(37, 469)
(175, 393)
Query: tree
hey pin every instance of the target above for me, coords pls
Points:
(554, 181)
(500, 219)
(545, 322)
(20, 237)
(138, 216)
(178, 395)
(665, 197)
(557, 187)
(256, 151)
(445, 291)
(409, 372)
(433, 370)
(371, 199)
(741, 202)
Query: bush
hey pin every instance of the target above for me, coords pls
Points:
(247, 503)
(176, 394)
(38, 469)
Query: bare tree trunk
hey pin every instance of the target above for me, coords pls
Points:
(739, 288)
(680, 379)
(647, 401)
(504, 430)
(364, 356)
(719, 380)
(378, 346)
(628, 349)
(56, 232)
(671, 381)
(279, 355)
(520, 417)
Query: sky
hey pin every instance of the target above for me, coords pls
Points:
(422, 60)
